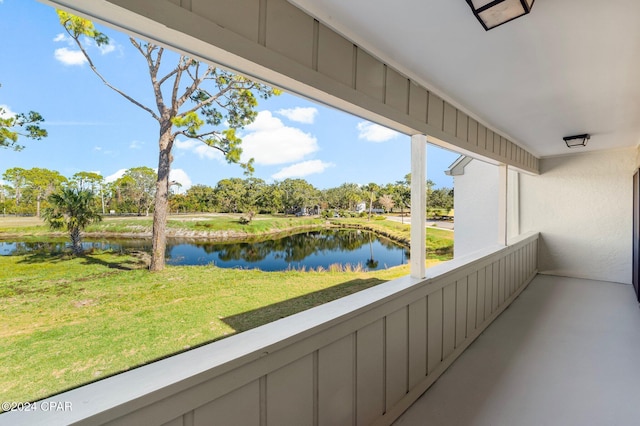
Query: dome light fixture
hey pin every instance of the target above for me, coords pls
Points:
(493, 13)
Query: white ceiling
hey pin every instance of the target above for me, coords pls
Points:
(569, 67)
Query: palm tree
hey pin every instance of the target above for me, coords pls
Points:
(73, 209)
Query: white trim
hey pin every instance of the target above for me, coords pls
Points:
(418, 260)
(502, 203)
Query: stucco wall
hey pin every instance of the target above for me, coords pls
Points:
(476, 208)
(582, 206)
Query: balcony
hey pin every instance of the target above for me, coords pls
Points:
(565, 352)
(361, 359)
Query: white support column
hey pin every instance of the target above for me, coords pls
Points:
(513, 205)
(503, 175)
(418, 206)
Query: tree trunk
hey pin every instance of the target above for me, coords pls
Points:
(76, 244)
(161, 203)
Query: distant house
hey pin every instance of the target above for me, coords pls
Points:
(476, 204)
(362, 207)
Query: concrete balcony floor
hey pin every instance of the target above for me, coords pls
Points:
(566, 352)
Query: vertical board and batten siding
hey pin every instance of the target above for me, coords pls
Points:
(276, 42)
(359, 360)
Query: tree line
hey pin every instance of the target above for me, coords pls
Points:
(26, 192)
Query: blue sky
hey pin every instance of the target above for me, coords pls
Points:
(91, 128)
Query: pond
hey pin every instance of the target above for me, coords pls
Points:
(312, 249)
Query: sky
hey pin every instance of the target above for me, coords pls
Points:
(92, 128)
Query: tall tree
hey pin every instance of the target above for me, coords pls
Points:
(200, 198)
(371, 189)
(229, 194)
(402, 194)
(16, 177)
(387, 202)
(41, 183)
(192, 100)
(73, 209)
(90, 180)
(298, 194)
(254, 197)
(141, 187)
(12, 126)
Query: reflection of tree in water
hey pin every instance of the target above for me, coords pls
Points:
(249, 252)
(293, 248)
(289, 250)
(23, 247)
(31, 247)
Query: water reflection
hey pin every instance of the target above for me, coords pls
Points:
(311, 249)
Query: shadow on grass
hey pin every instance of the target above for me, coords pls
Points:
(266, 314)
(127, 264)
(257, 317)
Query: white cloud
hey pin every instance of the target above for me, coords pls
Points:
(180, 176)
(199, 148)
(114, 177)
(305, 168)
(136, 145)
(374, 132)
(69, 57)
(65, 38)
(270, 142)
(72, 56)
(104, 49)
(5, 112)
(299, 114)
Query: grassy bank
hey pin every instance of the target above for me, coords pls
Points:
(65, 321)
(197, 224)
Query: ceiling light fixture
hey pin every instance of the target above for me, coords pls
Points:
(577, 140)
(497, 12)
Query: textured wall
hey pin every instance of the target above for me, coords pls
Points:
(476, 208)
(582, 206)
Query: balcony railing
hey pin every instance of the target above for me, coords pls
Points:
(362, 359)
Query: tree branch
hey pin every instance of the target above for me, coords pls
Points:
(104, 80)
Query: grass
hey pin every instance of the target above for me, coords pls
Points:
(65, 321)
(32, 226)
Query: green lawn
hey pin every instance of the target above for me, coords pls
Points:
(65, 321)
(205, 223)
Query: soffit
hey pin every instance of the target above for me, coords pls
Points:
(569, 67)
